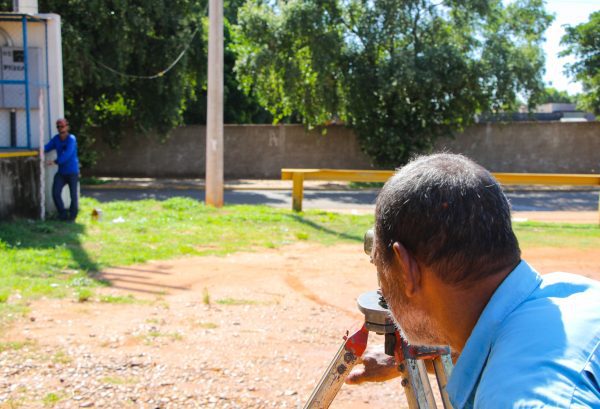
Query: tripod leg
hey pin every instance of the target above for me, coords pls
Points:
(337, 371)
(443, 369)
(416, 384)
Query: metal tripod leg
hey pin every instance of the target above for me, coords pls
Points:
(409, 358)
(411, 365)
(345, 359)
(416, 384)
(443, 369)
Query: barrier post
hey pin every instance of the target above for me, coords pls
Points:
(297, 191)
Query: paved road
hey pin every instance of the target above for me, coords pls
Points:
(535, 200)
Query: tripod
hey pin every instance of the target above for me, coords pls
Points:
(410, 359)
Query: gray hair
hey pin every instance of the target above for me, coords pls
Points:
(451, 215)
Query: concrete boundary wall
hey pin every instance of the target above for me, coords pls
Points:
(260, 151)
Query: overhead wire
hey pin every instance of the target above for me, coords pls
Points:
(158, 74)
(161, 72)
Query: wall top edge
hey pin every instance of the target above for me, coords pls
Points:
(31, 18)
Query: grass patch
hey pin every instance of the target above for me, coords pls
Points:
(56, 259)
(61, 357)
(15, 345)
(208, 325)
(83, 294)
(558, 235)
(51, 399)
(301, 235)
(236, 301)
(117, 380)
(154, 335)
(10, 312)
(205, 296)
(12, 403)
(366, 185)
(119, 299)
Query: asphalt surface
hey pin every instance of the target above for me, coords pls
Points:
(521, 200)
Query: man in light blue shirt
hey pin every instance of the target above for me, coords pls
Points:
(450, 269)
(535, 344)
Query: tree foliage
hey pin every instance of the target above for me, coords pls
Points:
(551, 95)
(111, 47)
(401, 73)
(583, 41)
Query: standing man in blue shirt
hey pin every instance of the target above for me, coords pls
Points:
(65, 145)
(450, 268)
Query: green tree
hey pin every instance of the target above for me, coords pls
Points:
(553, 95)
(239, 107)
(112, 48)
(401, 73)
(583, 42)
(115, 55)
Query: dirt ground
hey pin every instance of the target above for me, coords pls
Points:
(250, 330)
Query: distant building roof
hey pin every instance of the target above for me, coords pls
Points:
(553, 111)
(552, 107)
(536, 116)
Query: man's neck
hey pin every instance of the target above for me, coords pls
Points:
(457, 309)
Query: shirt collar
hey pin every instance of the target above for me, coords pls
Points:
(515, 289)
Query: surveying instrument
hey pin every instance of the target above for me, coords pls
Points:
(410, 359)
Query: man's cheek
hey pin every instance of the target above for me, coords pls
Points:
(383, 282)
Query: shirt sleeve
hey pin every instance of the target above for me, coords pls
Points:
(587, 393)
(50, 145)
(70, 151)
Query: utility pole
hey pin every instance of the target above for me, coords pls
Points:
(214, 116)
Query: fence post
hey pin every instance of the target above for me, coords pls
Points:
(297, 191)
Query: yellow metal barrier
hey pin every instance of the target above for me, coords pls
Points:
(17, 154)
(298, 176)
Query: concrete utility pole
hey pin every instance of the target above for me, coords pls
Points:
(214, 116)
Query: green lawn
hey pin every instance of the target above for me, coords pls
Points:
(53, 258)
(58, 259)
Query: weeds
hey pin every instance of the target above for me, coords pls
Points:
(207, 325)
(84, 294)
(236, 301)
(15, 345)
(115, 380)
(51, 399)
(205, 297)
(119, 299)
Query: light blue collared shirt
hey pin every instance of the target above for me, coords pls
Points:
(536, 344)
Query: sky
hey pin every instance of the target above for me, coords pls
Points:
(566, 12)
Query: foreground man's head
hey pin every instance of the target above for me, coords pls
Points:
(442, 224)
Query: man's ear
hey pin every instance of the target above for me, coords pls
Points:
(411, 273)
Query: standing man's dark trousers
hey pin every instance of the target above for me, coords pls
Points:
(59, 183)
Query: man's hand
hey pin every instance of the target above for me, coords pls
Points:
(376, 367)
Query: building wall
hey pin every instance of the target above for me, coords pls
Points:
(260, 151)
(531, 147)
(20, 187)
(43, 115)
(250, 151)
